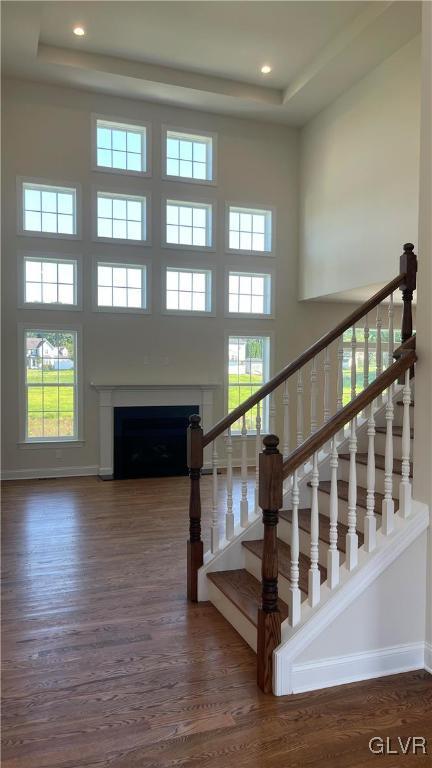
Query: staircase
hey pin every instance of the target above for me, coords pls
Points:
(336, 511)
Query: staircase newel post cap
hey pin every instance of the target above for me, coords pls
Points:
(194, 442)
(271, 443)
(270, 475)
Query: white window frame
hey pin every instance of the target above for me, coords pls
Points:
(38, 442)
(127, 195)
(113, 262)
(56, 185)
(122, 123)
(265, 415)
(210, 289)
(66, 258)
(190, 133)
(211, 223)
(269, 288)
(268, 236)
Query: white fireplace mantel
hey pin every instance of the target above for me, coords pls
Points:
(123, 395)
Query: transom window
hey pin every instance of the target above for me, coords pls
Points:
(248, 370)
(188, 290)
(121, 286)
(121, 217)
(121, 147)
(51, 385)
(249, 293)
(49, 281)
(360, 357)
(49, 209)
(188, 224)
(249, 230)
(189, 156)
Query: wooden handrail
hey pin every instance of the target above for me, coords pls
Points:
(303, 453)
(304, 358)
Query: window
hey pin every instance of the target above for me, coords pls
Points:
(121, 286)
(51, 386)
(188, 224)
(49, 281)
(188, 290)
(49, 210)
(121, 147)
(248, 370)
(359, 356)
(121, 217)
(249, 230)
(249, 293)
(189, 156)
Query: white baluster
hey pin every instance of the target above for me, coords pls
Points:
(353, 363)
(366, 354)
(286, 420)
(272, 413)
(333, 552)
(314, 582)
(388, 503)
(229, 517)
(314, 396)
(339, 400)
(299, 407)
(257, 453)
(370, 519)
(244, 477)
(214, 533)
(327, 369)
(351, 537)
(390, 331)
(378, 342)
(405, 485)
(294, 612)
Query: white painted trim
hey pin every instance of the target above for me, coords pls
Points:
(56, 184)
(209, 269)
(252, 208)
(122, 194)
(428, 657)
(39, 474)
(339, 670)
(211, 206)
(123, 123)
(193, 134)
(267, 272)
(133, 261)
(66, 258)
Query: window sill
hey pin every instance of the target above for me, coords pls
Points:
(27, 445)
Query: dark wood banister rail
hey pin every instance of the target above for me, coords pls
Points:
(309, 354)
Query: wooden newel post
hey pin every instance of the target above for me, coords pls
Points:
(194, 545)
(408, 264)
(269, 618)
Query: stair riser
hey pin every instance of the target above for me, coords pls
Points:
(232, 614)
(253, 565)
(324, 509)
(361, 470)
(380, 441)
(284, 533)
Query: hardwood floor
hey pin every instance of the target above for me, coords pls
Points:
(105, 663)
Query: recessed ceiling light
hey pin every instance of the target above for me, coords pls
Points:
(79, 31)
(266, 69)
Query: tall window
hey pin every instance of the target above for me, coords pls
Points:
(121, 217)
(51, 385)
(121, 147)
(359, 357)
(49, 209)
(250, 230)
(249, 293)
(49, 281)
(121, 286)
(188, 224)
(188, 290)
(248, 370)
(189, 156)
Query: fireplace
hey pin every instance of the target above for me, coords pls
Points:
(150, 441)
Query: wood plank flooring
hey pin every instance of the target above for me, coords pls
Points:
(106, 665)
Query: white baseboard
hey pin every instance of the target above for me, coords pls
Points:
(47, 472)
(428, 658)
(311, 676)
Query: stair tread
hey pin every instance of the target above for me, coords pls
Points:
(325, 486)
(401, 402)
(304, 521)
(362, 458)
(284, 561)
(244, 591)
(397, 431)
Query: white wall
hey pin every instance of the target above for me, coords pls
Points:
(359, 180)
(46, 133)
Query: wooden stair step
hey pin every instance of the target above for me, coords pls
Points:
(304, 521)
(244, 591)
(325, 486)
(362, 458)
(397, 431)
(284, 561)
(400, 402)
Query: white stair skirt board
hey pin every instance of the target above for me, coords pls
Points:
(377, 606)
(48, 472)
